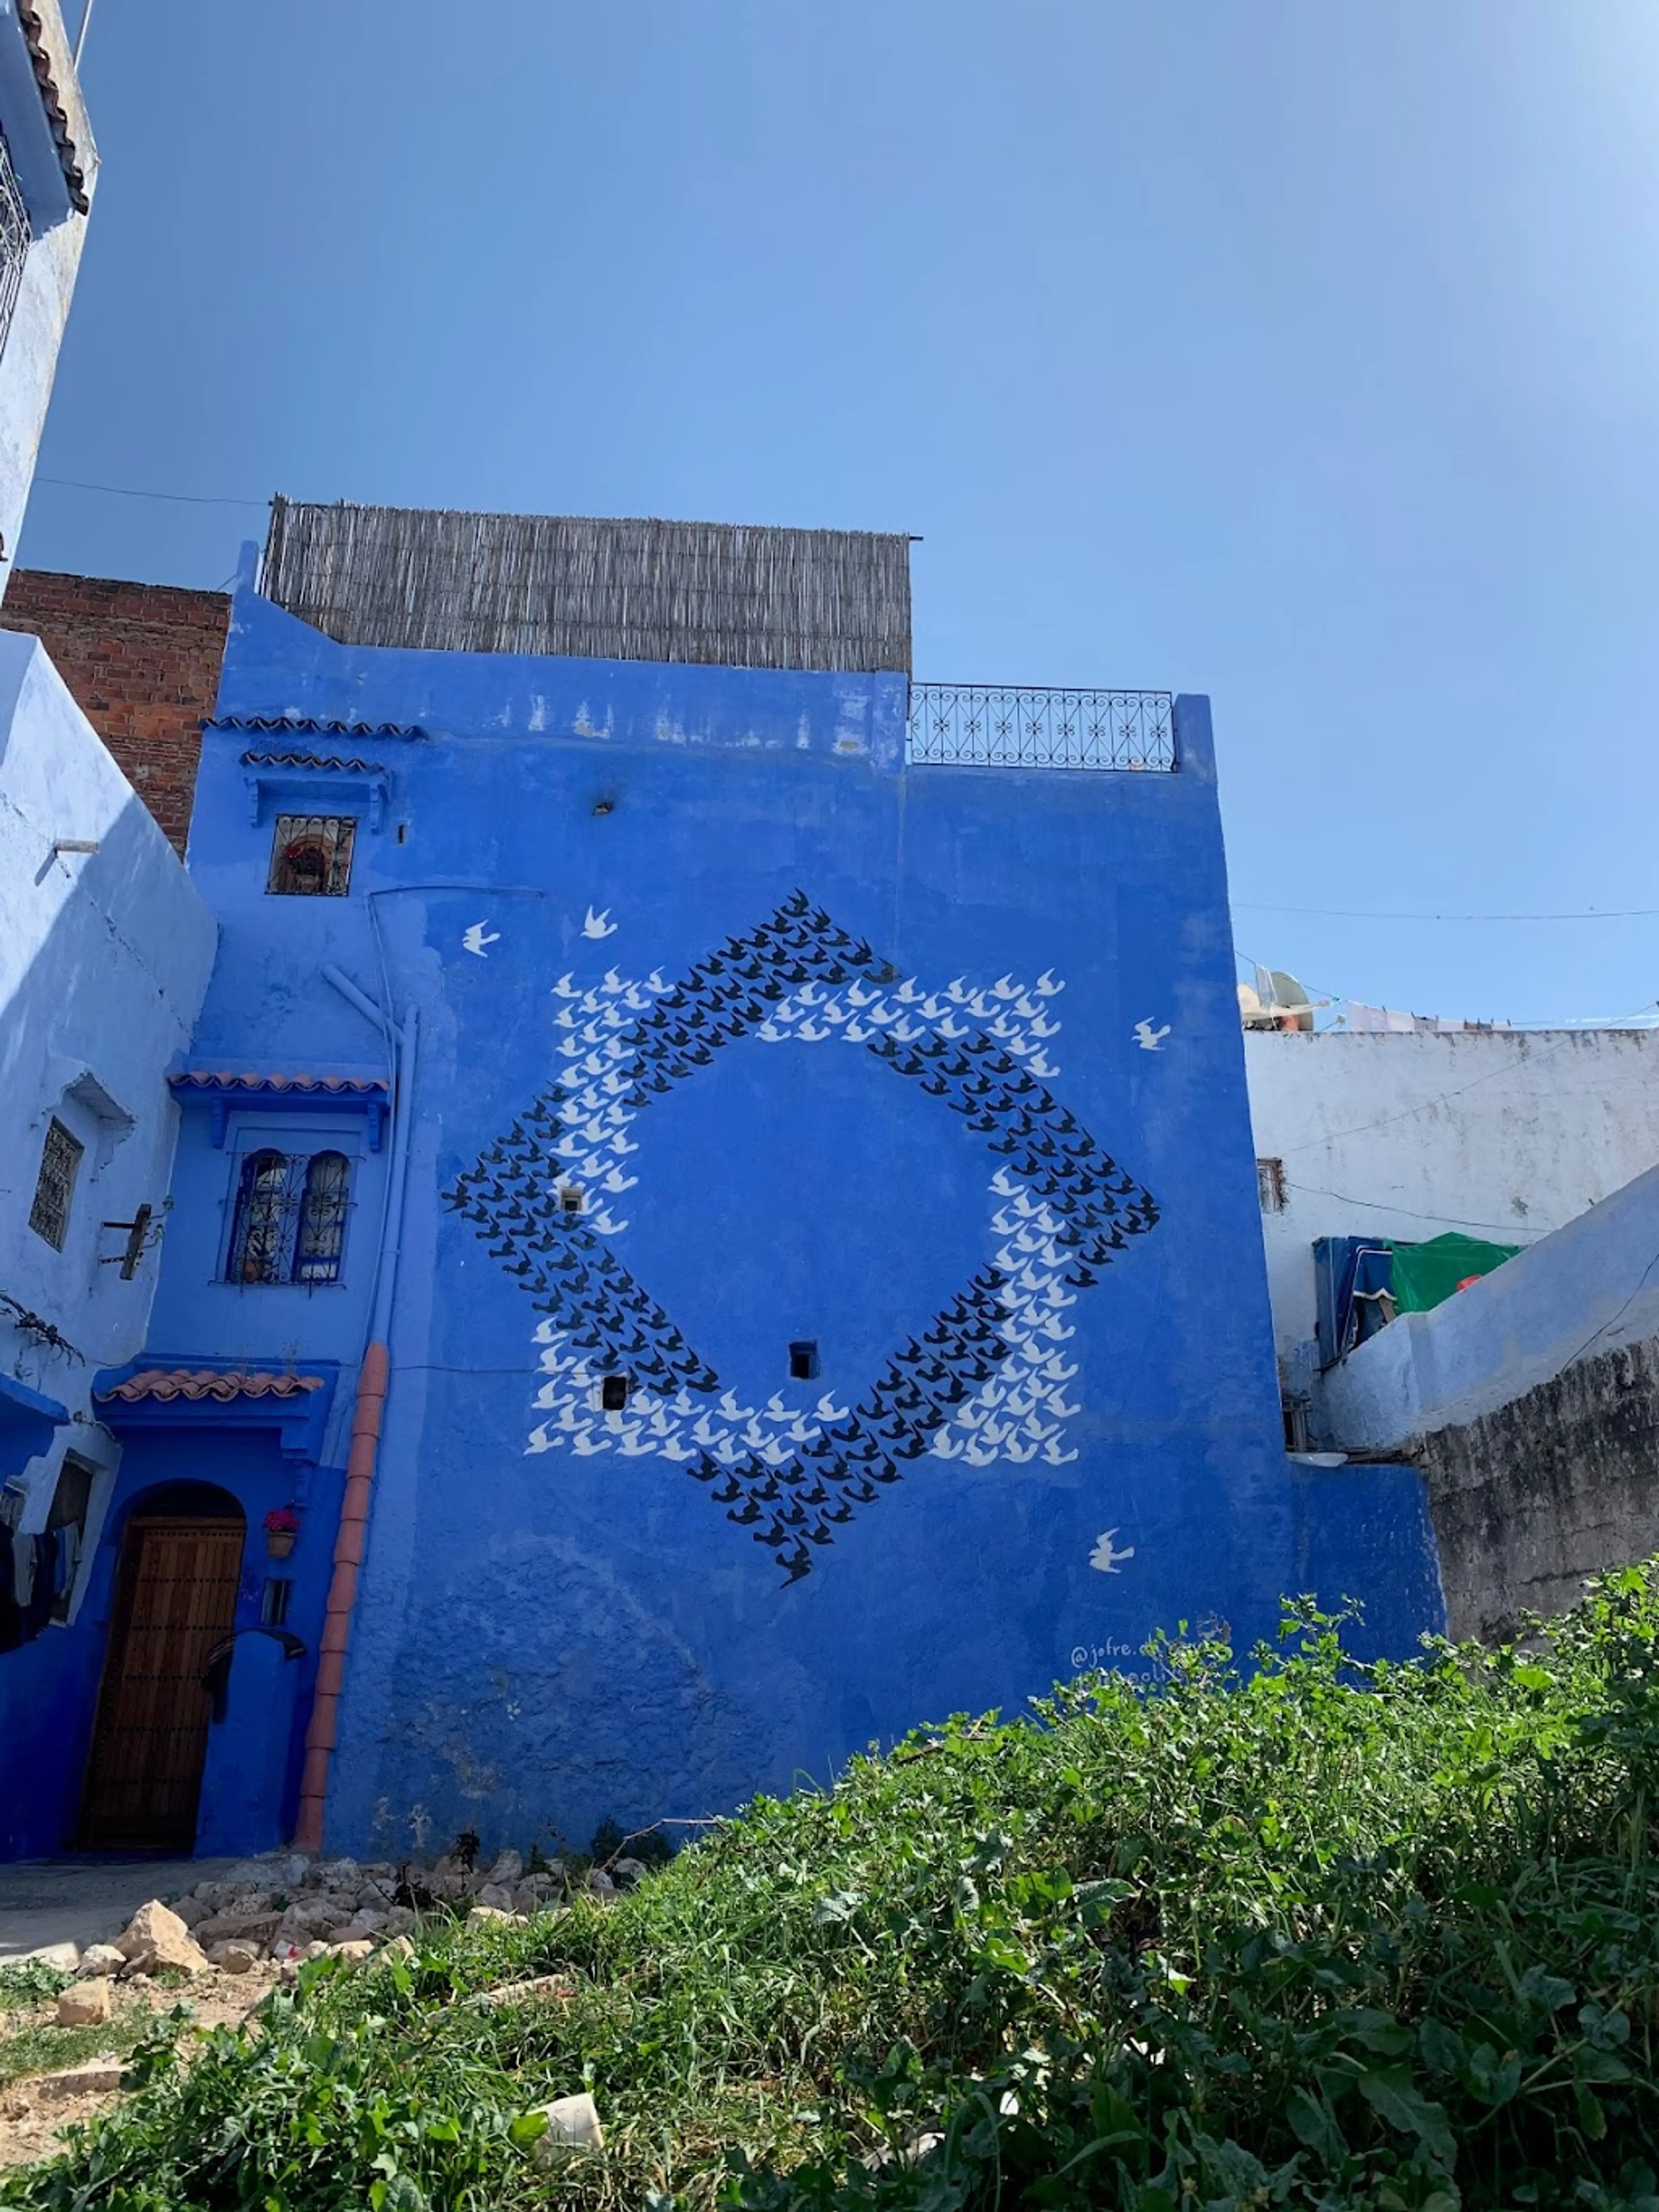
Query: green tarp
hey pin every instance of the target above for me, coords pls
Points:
(1425, 1274)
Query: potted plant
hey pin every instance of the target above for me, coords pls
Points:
(281, 1526)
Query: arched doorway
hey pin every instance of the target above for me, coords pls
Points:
(175, 1598)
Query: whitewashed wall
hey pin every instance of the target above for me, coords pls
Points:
(28, 358)
(103, 959)
(1503, 1135)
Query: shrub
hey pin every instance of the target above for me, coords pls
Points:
(1320, 1936)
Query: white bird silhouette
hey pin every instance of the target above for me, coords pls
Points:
(474, 938)
(598, 925)
(539, 1440)
(1148, 1038)
(1106, 1555)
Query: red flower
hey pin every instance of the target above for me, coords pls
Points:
(282, 1520)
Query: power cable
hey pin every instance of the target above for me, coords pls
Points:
(178, 498)
(1510, 1229)
(1354, 914)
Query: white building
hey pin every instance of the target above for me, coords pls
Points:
(105, 953)
(1505, 1134)
(48, 165)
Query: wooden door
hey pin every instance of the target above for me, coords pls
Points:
(175, 1599)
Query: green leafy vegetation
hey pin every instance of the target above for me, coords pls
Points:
(1316, 1935)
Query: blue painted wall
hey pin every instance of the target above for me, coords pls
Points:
(837, 1051)
(49, 1687)
(827, 1050)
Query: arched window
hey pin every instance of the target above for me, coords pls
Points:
(258, 1232)
(322, 1218)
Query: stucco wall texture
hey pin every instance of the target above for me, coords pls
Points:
(104, 957)
(1529, 1403)
(1503, 1135)
(142, 661)
(842, 1059)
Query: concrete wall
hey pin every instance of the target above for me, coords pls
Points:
(696, 940)
(28, 360)
(104, 959)
(1529, 1400)
(142, 661)
(1506, 1135)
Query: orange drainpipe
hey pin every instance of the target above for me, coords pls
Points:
(342, 1594)
(367, 1415)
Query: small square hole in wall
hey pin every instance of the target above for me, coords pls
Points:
(273, 1606)
(570, 1199)
(613, 1392)
(803, 1362)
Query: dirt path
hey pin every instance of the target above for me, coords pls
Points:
(30, 2119)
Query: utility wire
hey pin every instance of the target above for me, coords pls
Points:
(1510, 1229)
(1355, 914)
(178, 498)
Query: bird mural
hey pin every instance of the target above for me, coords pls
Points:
(981, 1383)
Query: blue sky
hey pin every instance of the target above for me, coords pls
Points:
(1306, 355)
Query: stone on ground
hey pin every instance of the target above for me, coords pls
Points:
(233, 1957)
(157, 1938)
(85, 2004)
(62, 1957)
(96, 2079)
(100, 1959)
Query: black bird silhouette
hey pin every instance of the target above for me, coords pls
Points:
(838, 1513)
(799, 1564)
(817, 1534)
(731, 1489)
(749, 1512)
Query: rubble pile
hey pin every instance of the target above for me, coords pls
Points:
(287, 1908)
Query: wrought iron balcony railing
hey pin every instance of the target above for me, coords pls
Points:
(997, 725)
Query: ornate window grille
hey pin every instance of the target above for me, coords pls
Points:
(996, 726)
(259, 1234)
(311, 855)
(15, 240)
(322, 1218)
(289, 1225)
(60, 1161)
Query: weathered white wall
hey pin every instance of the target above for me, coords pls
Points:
(104, 960)
(28, 360)
(1503, 1135)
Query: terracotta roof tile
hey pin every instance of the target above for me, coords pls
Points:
(69, 159)
(313, 760)
(219, 1079)
(198, 1382)
(308, 725)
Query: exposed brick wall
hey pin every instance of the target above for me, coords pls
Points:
(142, 663)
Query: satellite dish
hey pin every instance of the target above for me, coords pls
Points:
(1291, 1000)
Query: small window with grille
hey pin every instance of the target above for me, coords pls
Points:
(288, 1222)
(1270, 1185)
(15, 240)
(60, 1161)
(311, 856)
